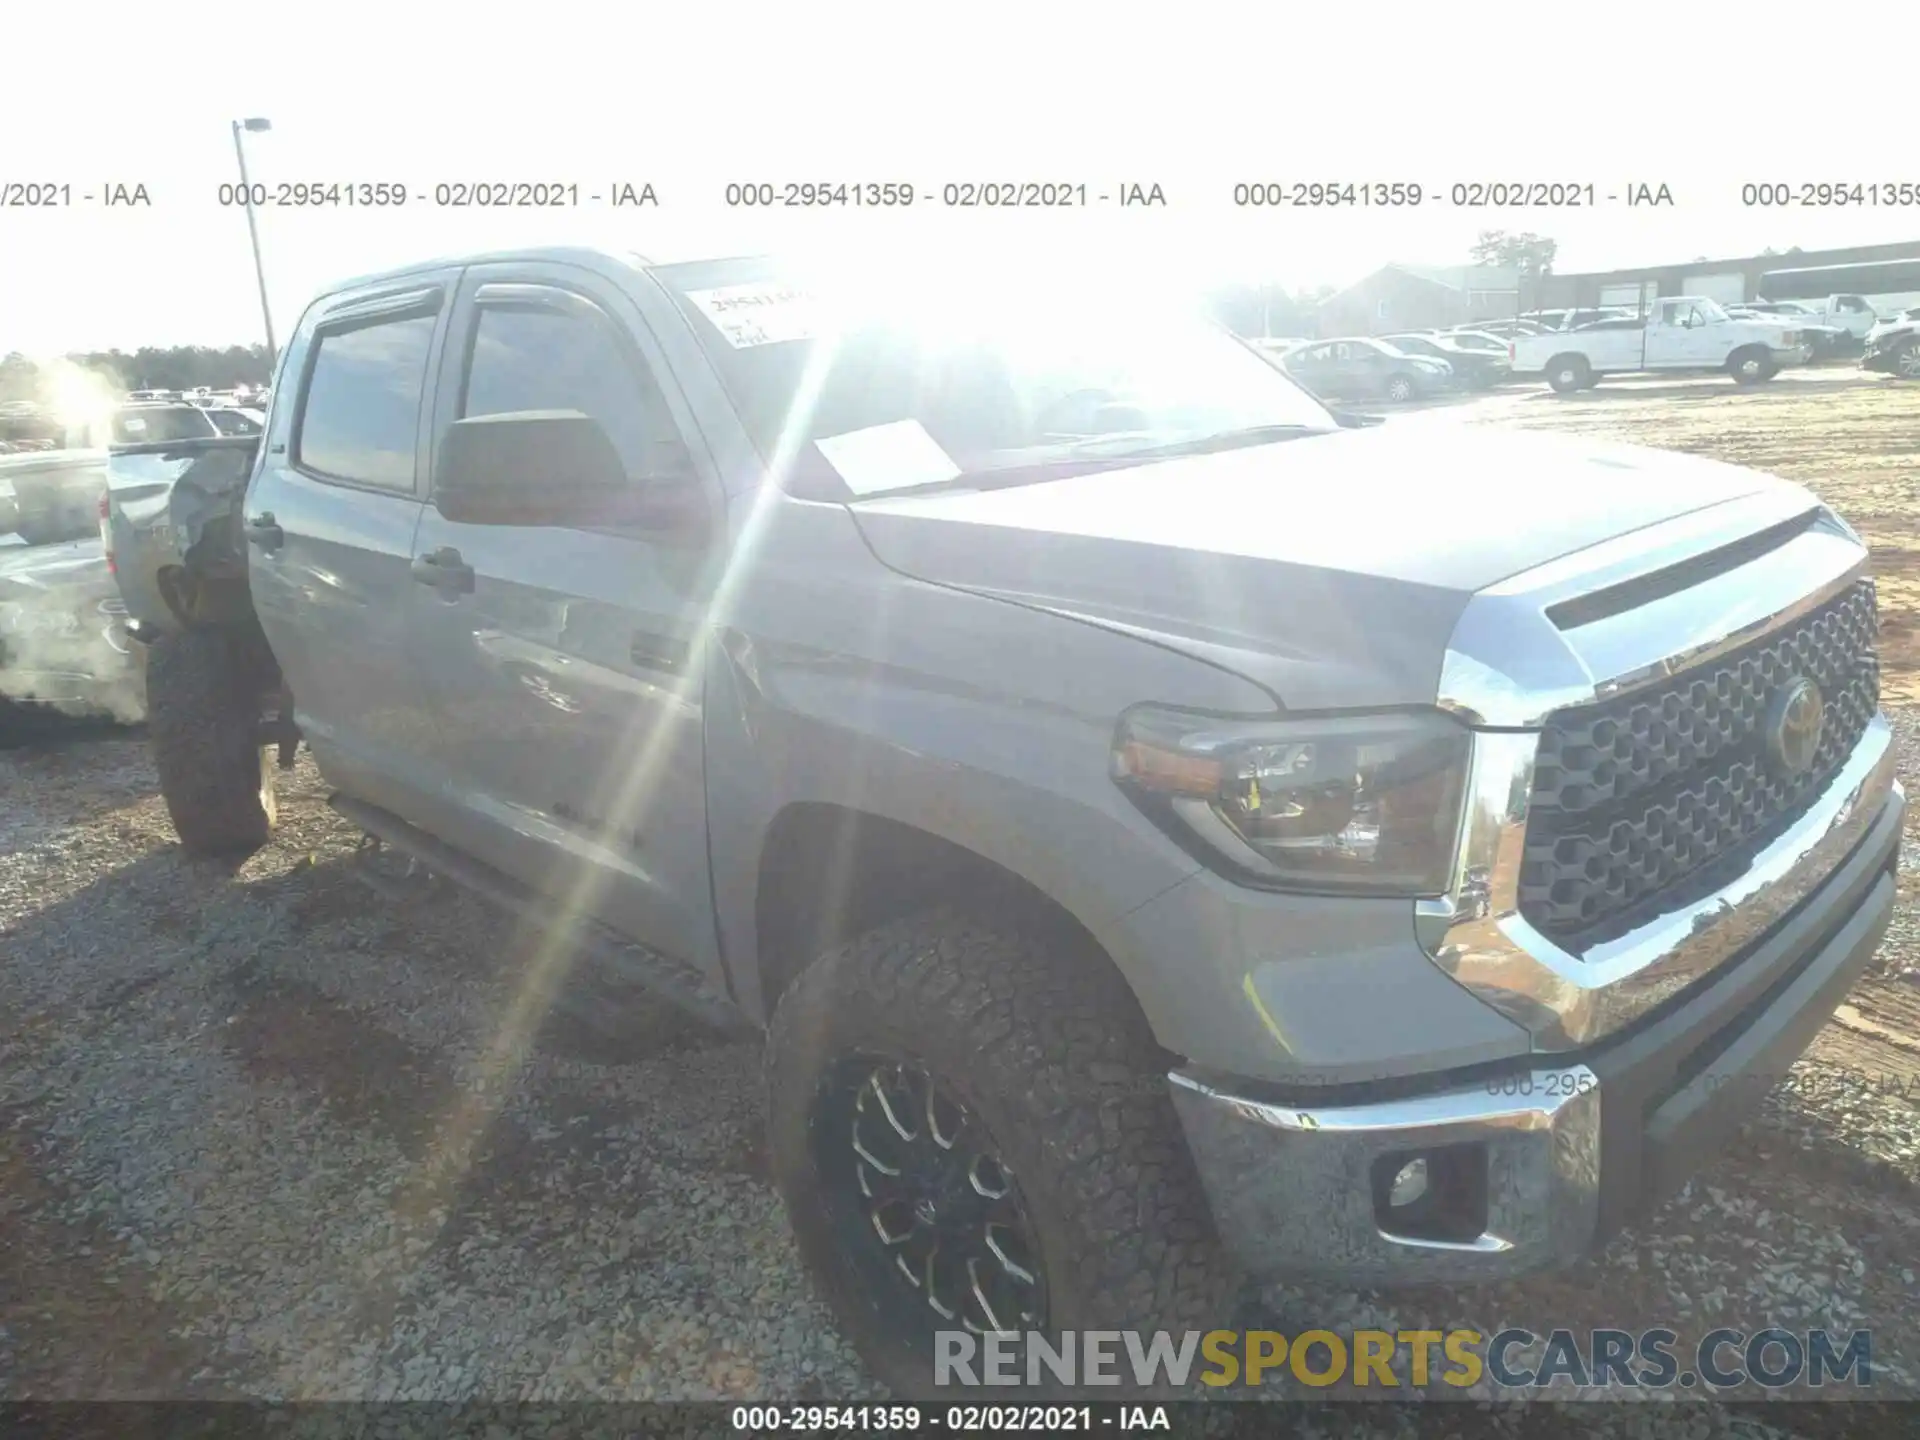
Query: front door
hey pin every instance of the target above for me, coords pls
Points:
(1676, 334)
(564, 664)
(329, 520)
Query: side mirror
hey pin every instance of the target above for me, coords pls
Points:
(556, 467)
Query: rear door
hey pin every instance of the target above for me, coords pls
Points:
(329, 521)
(563, 663)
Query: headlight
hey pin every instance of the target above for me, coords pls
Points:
(1365, 804)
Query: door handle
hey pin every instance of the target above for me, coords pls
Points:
(264, 531)
(444, 570)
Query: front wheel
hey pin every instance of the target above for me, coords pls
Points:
(1752, 367)
(1906, 361)
(203, 717)
(972, 1132)
(1400, 389)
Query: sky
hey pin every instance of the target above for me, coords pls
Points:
(1193, 98)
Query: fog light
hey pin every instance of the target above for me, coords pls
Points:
(1409, 1184)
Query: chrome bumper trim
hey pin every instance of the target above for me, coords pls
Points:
(1292, 1192)
(1477, 935)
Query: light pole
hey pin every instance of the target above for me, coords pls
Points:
(256, 125)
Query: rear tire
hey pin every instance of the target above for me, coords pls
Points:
(203, 717)
(1568, 373)
(1047, 1058)
(1906, 361)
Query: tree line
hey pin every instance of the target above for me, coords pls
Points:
(176, 367)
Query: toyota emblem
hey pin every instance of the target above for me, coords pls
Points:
(1795, 718)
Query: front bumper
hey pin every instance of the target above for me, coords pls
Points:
(1546, 1160)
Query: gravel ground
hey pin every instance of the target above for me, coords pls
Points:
(263, 1133)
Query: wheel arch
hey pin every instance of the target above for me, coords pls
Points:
(828, 871)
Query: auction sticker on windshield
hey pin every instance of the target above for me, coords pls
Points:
(759, 313)
(897, 456)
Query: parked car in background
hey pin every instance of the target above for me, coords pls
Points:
(1482, 340)
(1361, 368)
(56, 486)
(1573, 319)
(1823, 340)
(1505, 329)
(236, 421)
(1279, 344)
(1473, 369)
(51, 494)
(1681, 333)
(1853, 314)
(1893, 346)
(64, 644)
(179, 420)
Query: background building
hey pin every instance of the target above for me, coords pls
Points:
(1420, 297)
(1871, 270)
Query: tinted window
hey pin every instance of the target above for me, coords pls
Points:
(363, 402)
(1851, 302)
(145, 424)
(526, 359)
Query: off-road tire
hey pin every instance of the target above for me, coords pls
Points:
(1568, 373)
(1049, 1049)
(203, 717)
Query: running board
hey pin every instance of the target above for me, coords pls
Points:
(620, 959)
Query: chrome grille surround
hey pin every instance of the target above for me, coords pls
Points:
(1636, 795)
(1512, 669)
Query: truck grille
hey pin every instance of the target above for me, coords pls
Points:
(1642, 800)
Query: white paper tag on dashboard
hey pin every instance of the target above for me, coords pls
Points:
(898, 456)
(759, 313)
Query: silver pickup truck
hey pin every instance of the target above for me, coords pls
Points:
(1159, 839)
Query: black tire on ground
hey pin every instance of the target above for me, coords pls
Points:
(1052, 1062)
(1752, 366)
(1401, 389)
(203, 717)
(1906, 361)
(1567, 373)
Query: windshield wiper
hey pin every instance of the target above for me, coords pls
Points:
(1225, 440)
(1086, 458)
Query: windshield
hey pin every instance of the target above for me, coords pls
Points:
(971, 384)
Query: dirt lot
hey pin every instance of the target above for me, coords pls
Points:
(264, 1134)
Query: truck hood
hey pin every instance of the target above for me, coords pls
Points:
(1329, 569)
